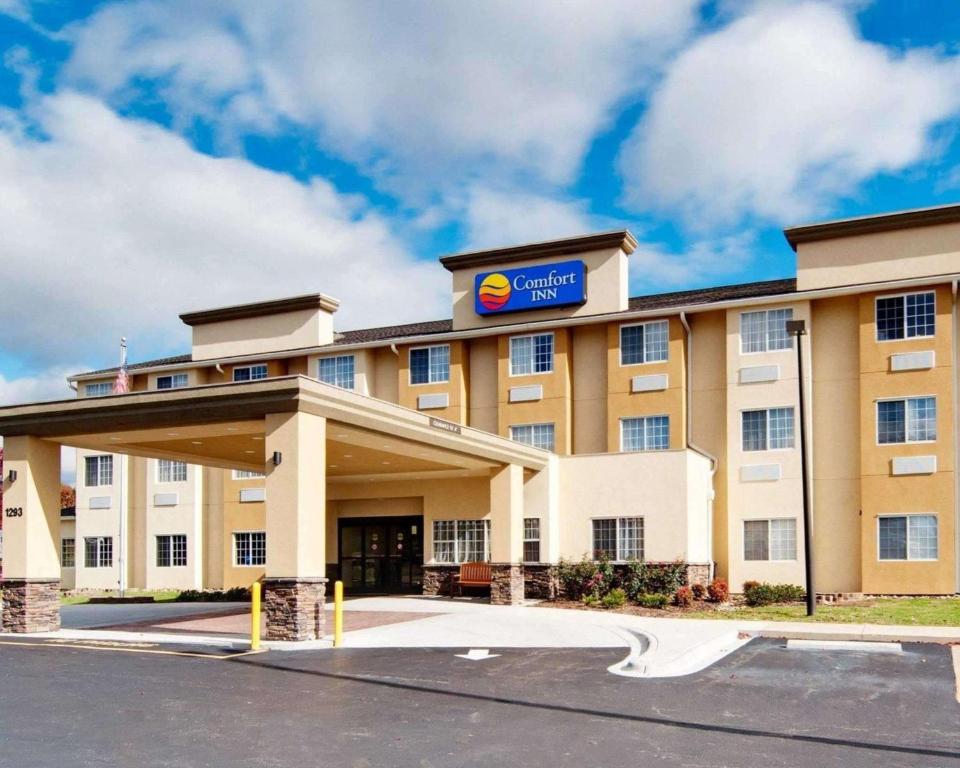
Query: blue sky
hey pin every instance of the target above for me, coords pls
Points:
(159, 157)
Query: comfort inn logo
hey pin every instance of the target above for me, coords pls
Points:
(537, 287)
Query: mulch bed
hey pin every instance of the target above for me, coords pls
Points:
(638, 610)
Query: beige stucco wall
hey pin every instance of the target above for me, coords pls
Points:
(363, 369)
(763, 500)
(385, 376)
(455, 387)
(589, 372)
(656, 486)
(607, 285)
(99, 522)
(68, 530)
(897, 255)
(257, 335)
(184, 518)
(708, 415)
(482, 370)
(836, 444)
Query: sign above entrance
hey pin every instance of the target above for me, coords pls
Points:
(446, 426)
(546, 285)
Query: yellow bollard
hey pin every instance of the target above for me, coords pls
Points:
(255, 616)
(337, 614)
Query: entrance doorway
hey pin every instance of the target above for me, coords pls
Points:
(381, 554)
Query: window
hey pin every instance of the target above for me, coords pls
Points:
(619, 538)
(246, 474)
(536, 435)
(250, 548)
(531, 354)
(765, 331)
(430, 365)
(531, 539)
(906, 317)
(336, 370)
(645, 433)
(173, 381)
(99, 471)
(99, 389)
(250, 373)
(767, 430)
(172, 551)
(68, 553)
(644, 343)
(770, 539)
(907, 537)
(98, 552)
(461, 541)
(911, 420)
(171, 471)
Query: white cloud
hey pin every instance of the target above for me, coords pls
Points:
(49, 384)
(423, 90)
(782, 111)
(112, 227)
(495, 218)
(655, 267)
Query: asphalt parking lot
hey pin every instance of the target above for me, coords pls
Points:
(761, 706)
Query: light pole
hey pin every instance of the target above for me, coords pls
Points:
(798, 329)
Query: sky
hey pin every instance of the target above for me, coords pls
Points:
(162, 156)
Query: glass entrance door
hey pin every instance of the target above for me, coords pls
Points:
(381, 554)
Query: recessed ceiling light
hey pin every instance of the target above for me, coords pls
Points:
(341, 436)
(231, 429)
(332, 466)
(197, 442)
(173, 434)
(248, 451)
(384, 462)
(115, 439)
(256, 438)
(348, 455)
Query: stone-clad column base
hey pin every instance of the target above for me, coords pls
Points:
(294, 608)
(506, 584)
(31, 605)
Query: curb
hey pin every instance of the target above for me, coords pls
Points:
(859, 635)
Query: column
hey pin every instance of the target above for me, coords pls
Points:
(31, 535)
(506, 535)
(296, 519)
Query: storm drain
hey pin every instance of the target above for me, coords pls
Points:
(860, 646)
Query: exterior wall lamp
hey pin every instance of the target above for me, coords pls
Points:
(277, 458)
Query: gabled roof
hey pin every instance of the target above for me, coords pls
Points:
(650, 302)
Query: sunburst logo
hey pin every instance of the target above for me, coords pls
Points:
(494, 292)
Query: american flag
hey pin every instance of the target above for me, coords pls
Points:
(122, 383)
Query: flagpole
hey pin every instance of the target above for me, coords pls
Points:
(121, 386)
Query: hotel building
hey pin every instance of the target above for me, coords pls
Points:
(553, 416)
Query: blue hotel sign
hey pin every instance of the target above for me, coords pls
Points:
(545, 285)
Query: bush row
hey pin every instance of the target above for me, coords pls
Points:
(758, 593)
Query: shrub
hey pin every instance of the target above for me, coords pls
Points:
(699, 591)
(234, 595)
(590, 600)
(654, 600)
(768, 594)
(587, 577)
(616, 598)
(748, 585)
(654, 578)
(718, 591)
(683, 597)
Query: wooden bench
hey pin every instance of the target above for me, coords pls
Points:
(471, 575)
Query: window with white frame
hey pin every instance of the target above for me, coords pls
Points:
(531, 354)
(172, 550)
(619, 538)
(645, 433)
(907, 420)
(536, 435)
(907, 537)
(770, 539)
(249, 548)
(644, 342)
(173, 381)
(169, 471)
(99, 471)
(337, 371)
(250, 373)
(98, 552)
(910, 316)
(531, 539)
(246, 474)
(430, 365)
(765, 330)
(768, 429)
(461, 541)
(68, 553)
(98, 389)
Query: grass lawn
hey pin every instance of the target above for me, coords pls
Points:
(928, 611)
(159, 596)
